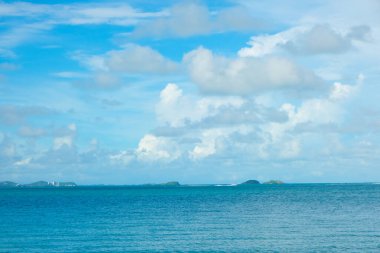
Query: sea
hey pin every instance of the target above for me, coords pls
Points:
(257, 218)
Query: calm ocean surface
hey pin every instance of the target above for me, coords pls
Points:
(262, 218)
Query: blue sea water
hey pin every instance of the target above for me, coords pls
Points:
(262, 218)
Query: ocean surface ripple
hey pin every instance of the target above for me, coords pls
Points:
(262, 218)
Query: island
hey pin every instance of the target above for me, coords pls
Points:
(38, 184)
(172, 183)
(55, 184)
(8, 184)
(274, 182)
(250, 182)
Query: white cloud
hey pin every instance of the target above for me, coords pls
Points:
(304, 40)
(262, 45)
(152, 148)
(322, 39)
(208, 145)
(172, 101)
(312, 114)
(72, 127)
(184, 20)
(22, 9)
(138, 59)
(77, 14)
(62, 141)
(70, 74)
(104, 79)
(237, 19)
(201, 134)
(95, 62)
(243, 76)
(189, 19)
(33, 20)
(342, 91)
(66, 140)
(23, 162)
(131, 59)
(213, 140)
(124, 157)
(17, 35)
(180, 20)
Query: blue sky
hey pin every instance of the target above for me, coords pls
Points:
(196, 91)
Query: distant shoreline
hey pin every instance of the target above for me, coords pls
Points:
(54, 184)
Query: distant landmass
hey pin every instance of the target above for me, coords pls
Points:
(171, 183)
(274, 182)
(250, 182)
(43, 184)
(8, 184)
(254, 182)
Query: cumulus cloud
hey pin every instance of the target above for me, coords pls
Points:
(194, 129)
(322, 39)
(214, 140)
(271, 135)
(191, 109)
(124, 157)
(137, 59)
(108, 70)
(208, 145)
(152, 148)
(318, 39)
(310, 116)
(242, 76)
(261, 45)
(132, 59)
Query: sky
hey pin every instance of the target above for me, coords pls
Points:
(130, 92)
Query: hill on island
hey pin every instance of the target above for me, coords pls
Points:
(8, 184)
(255, 182)
(250, 182)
